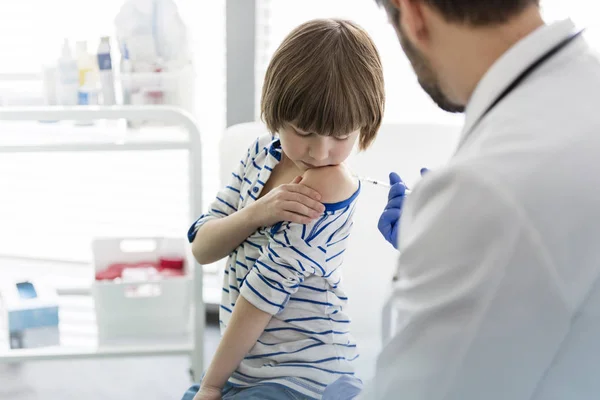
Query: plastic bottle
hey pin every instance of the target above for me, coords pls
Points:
(88, 95)
(127, 80)
(107, 79)
(85, 63)
(126, 70)
(67, 77)
(49, 74)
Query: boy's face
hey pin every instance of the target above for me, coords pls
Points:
(309, 150)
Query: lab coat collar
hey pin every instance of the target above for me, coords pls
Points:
(508, 67)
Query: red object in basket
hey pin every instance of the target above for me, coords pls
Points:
(115, 270)
(111, 272)
(174, 263)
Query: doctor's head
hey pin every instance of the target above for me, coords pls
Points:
(441, 38)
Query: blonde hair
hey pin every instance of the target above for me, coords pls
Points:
(325, 77)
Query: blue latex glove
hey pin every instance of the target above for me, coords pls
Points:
(389, 222)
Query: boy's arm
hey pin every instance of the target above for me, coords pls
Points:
(275, 277)
(219, 237)
(245, 327)
(225, 226)
(335, 183)
(221, 229)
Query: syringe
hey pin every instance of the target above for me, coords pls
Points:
(373, 181)
(377, 183)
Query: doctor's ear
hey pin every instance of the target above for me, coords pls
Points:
(411, 19)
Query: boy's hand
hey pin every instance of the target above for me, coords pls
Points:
(290, 202)
(208, 393)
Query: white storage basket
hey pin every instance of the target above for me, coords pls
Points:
(142, 309)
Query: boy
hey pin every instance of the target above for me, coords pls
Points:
(285, 218)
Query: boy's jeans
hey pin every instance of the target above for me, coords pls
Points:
(345, 388)
(260, 392)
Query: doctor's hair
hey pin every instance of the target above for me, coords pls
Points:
(326, 77)
(470, 12)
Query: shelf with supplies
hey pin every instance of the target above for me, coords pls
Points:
(159, 88)
(61, 135)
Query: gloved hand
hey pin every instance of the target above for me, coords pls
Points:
(389, 222)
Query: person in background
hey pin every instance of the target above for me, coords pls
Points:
(498, 289)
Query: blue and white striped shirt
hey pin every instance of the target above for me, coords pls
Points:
(291, 271)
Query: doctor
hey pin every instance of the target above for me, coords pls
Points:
(498, 296)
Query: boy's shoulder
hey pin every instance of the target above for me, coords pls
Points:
(334, 183)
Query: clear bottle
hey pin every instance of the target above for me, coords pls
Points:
(107, 78)
(67, 77)
(126, 78)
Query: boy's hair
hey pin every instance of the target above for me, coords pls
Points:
(473, 12)
(325, 78)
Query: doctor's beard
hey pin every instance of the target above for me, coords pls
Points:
(426, 75)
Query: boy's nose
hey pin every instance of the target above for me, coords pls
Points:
(319, 151)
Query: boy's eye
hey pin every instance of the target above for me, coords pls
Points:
(303, 134)
(341, 138)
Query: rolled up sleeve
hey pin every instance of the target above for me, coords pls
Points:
(227, 201)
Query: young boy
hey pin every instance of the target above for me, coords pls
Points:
(285, 218)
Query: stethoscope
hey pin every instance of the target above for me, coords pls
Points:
(523, 75)
(516, 82)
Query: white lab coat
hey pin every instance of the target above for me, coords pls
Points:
(499, 290)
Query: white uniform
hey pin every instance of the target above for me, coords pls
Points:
(499, 290)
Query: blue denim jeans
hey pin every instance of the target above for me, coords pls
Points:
(345, 388)
(259, 392)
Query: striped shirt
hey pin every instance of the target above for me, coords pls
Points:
(291, 271)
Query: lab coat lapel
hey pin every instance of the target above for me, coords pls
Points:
(508, 67)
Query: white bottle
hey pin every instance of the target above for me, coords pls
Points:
(50, 78)
(107, 79)
(67, 77)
